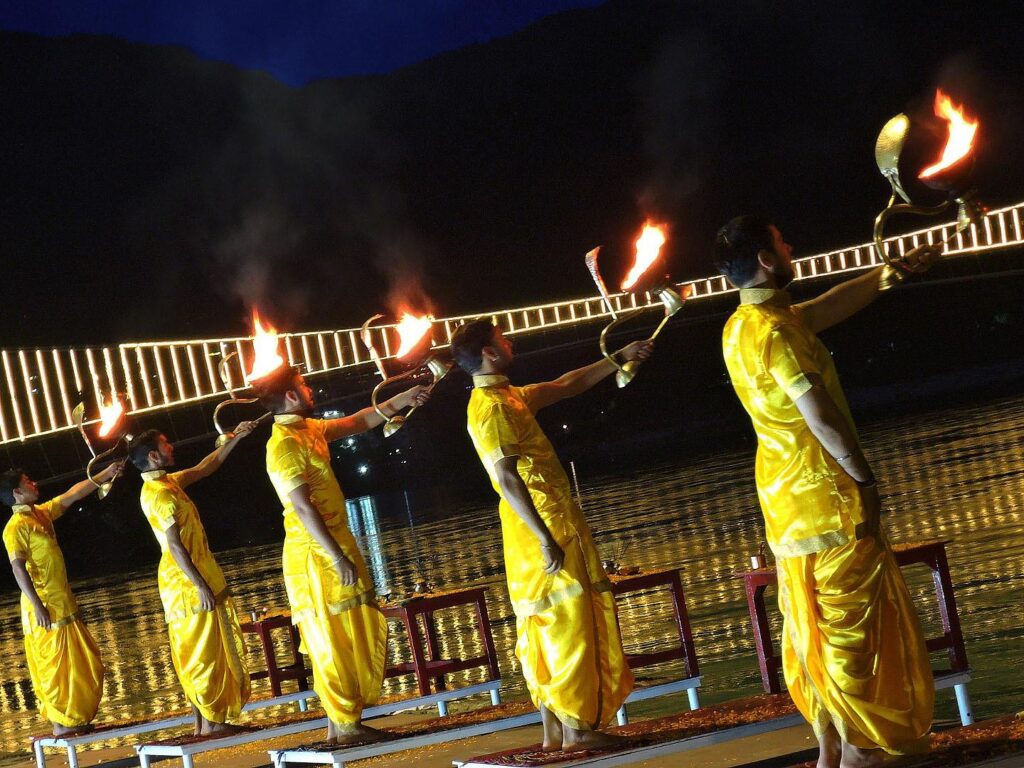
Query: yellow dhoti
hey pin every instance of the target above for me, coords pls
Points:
(568, 632)
(66, 671)
(853, 652)
(342, 629)
(208, 652)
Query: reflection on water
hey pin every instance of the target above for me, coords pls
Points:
(956, 475)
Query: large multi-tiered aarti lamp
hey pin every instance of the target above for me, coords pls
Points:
(112, 425)
(647, 275)
(266, 360)
(950, 174)
(415, 348)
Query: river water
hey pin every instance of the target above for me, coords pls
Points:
(955, 474)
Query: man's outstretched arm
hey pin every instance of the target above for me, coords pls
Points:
(580, 380)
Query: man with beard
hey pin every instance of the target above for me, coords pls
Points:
(63, 660)
(206, 639)
(330, 591)
(569, 644)
(854, 656)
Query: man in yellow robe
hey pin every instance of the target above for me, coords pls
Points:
(569, 644)
(63, 659)
(854, 656)
(330, 590)
(207, 648)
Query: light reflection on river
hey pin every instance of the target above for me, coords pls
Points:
(955, 474)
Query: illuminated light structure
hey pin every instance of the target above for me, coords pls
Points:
(38, 387)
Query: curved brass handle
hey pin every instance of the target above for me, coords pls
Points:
(899, 267)
(223, 435)
(438, 370)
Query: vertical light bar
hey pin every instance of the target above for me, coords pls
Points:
(26, 376)
(79, 388)
(15, 406)
(161, 374)
(337, 349)
(64, 398)
(197, 386)
(179, 380)
(147, 385)
(215, 385)
(307, 358)
(1016, 223)
(356, 346)
(240, 359)
(386, 343)
(324, 362)
(44, 382)
(129, 379)
(1002, 227)
(94, 375)
(5, 434)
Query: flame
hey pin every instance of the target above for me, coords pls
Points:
(961, 134)
(266, 359)
(110, 414)
(648, 246)
(411, 330)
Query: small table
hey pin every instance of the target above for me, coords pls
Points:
(296, 670)
(623, 584)
(427, 663)
(931, 554)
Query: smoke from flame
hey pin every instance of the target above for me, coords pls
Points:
(411, 330)
(110, 415)
(648, 246)
(266, 359)
(961, 134)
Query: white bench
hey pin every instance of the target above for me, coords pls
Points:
(187, 749)
(689, 684)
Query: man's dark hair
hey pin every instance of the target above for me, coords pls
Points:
(272, 388)
(142, 446)
(468, 342)
(9, 481)
(737, 245)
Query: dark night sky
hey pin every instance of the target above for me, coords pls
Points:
(296, 41)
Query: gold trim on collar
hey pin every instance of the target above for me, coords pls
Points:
(153, 474)
(22, 509)
(764, 295)
(490, 380)
(288, 418)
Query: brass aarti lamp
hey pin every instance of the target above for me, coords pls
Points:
(644, 277)
(266, 360)
(415, 344)
(950, 174)
(110, 418)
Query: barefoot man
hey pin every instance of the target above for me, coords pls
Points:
(569, 644)
(332, 596)
(854, 656)
(63, 660)
(206, 640)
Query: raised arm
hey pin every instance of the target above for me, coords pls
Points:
(213, 460)
(848, 298)
(28, 588)
(580, 380)
(836, 436)
(80, 490)
(368, 418)
(313, 523)
(207, 600)
(515, 492)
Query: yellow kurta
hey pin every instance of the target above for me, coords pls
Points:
(63, 661)
(853, 651)
(569, 644)
(207, 648)
(342, 629)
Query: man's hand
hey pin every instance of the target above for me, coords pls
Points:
(346, 571)
(111, 472)
(42, 615)
(207, 601)
(872, 509)
(553, 556)
(243, 429)
(414, 396)
(638, 351)
(922, 258)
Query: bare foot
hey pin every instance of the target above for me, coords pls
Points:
(552, 731)
(855, 757)
(575, 741)
(219, 729)
(71, 730)
(830, 749)
(359, 734)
